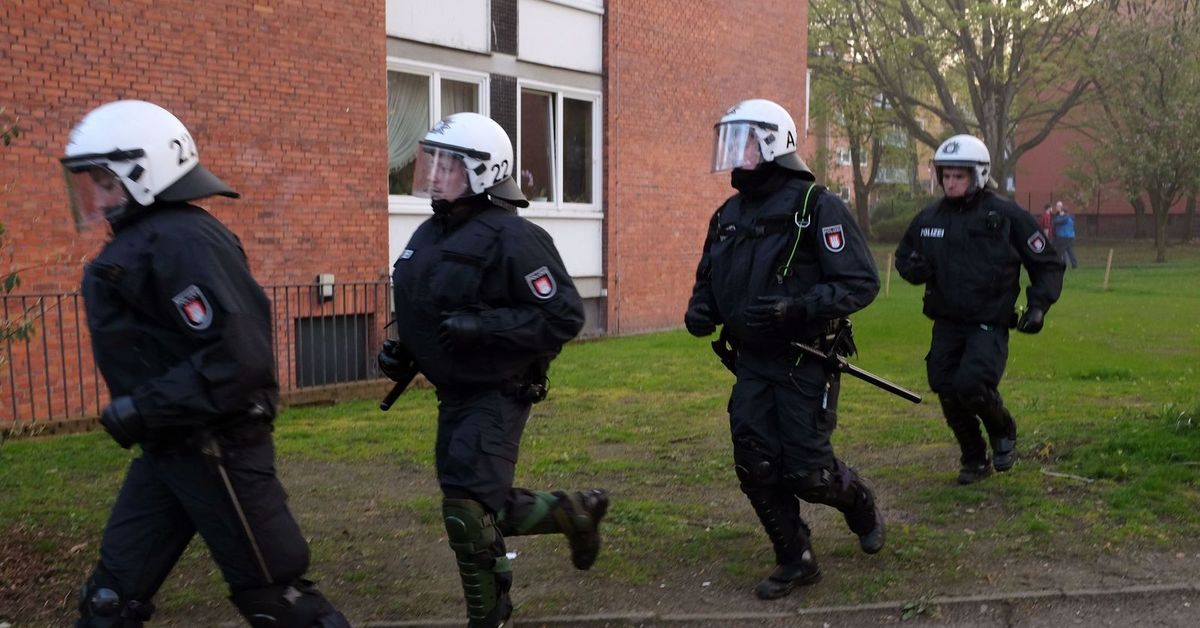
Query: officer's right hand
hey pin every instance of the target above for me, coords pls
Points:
(460, 332)
(775, 313)
(698, 320)
(1031, 321)
(123, 422)
(919, 267)
(394, 361)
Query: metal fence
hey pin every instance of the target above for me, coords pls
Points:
(322, 335)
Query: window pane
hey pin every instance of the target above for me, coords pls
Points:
(407, 123)
(577, 151)
(458, 96)
(537, 145)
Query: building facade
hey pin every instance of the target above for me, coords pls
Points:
(312, 112)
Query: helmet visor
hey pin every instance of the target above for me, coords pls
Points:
(95, 191)
(736, 146)
(440, 174)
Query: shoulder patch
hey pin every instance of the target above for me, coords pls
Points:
(1036, 242)
(834, 238)
(193, 306)
(541, 283)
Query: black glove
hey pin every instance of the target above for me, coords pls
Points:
(460, 332)
(775, 313)
(919, 267)
(395, 362)
(122, 421)
(1031, 321)
(699, 320)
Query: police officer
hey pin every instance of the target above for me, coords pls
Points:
(783, 261)
(483, 304)
(968, 249)
(182, 335)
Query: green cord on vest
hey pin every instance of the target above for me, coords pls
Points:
(801, 223)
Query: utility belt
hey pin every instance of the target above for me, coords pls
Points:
(836, 339)
(531, 387)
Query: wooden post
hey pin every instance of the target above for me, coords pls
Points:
(887, 283)
(1107, 269)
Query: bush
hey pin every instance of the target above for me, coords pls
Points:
(891, 216)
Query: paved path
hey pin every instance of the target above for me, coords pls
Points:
(1171, 606)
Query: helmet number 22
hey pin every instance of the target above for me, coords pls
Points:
(501, 170)
(185, 148)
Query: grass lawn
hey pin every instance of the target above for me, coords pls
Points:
(1106, 399)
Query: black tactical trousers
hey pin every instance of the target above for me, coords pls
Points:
(479, 435)
(965, 364)
(169, 496)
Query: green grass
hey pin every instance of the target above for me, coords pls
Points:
(1107, 393)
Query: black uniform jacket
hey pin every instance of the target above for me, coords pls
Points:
(746, 255)
(973, 253)
(499, 266)
(178, 323)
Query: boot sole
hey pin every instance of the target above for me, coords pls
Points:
(597, 515)
(790, 586)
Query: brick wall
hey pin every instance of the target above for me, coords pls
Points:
(672, 69)
(286, 101)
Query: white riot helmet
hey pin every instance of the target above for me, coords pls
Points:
(463, 155)
(964, 151)
(755, 131)
(132, 150)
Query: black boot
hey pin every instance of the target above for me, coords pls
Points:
(800, 572)
(965, 425)
(973, 472)
(1002, 432)
(577, 516)
(795, 566)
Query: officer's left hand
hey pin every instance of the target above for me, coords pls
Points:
(775, 312)
(123, 422)
(1031, 321)
(459, 332)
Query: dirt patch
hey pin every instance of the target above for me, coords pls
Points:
(380, 553)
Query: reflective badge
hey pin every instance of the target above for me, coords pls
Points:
(193, 307)
(406, 254)
(541, 283)
(835, 240)
(1036, 242)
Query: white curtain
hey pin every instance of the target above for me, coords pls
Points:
(408, 117)
(458, 96)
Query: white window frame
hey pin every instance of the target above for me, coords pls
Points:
(558, 208)
(844, 194)
(406, 203)
(842, 156)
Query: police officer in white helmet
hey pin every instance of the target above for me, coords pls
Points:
(483, 304)
(181, 333)
(783, 261)
(968, 248)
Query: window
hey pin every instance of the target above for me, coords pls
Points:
(413, 97)
(845, 194)
(558, 148)
(843, 156)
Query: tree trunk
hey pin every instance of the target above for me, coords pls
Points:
(1139, 217)
(1162, 212)
(1188, 213)
(862, 209)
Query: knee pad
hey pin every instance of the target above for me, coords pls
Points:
(483, 567)
(295, 605)
(102, 605)
(754, 467)
(811, 486)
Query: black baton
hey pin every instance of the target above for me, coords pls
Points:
(392, 396)
(866, 376)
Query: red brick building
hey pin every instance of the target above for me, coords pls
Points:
(307, 110)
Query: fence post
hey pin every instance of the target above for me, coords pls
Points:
(887, 282)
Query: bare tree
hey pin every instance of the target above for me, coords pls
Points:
(1004, 70)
